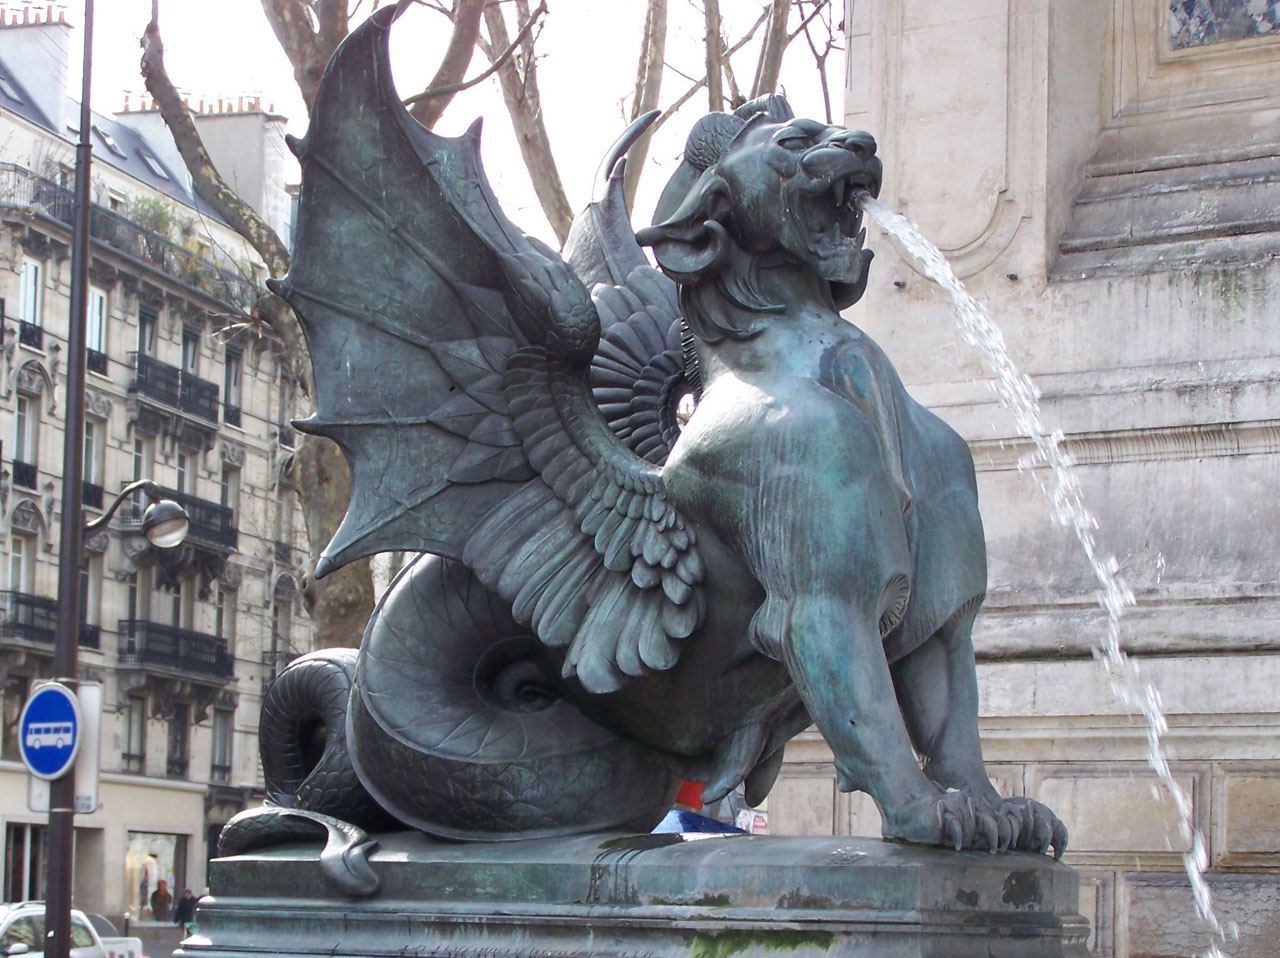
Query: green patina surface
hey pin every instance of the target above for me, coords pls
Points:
(726, 943)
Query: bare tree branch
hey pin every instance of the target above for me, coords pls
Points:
(771, 51)
(430, 104)
(688, 94)
(205, 178)
(524, 105)
(736, 99)
(820, 58)
(494, 67)
(648, 88)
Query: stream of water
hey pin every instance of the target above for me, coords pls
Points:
(1062, 487)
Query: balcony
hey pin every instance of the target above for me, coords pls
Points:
(91, 494)
(35, 619)
(96, 362)
(146, 644)
(25, 474)
(213, 526)
(230, 414)
(29, 334)
(22, 189)
(175, 388)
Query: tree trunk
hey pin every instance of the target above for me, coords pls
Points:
(341, 604)
(648, 86)
(308, 49)
(715, 56)
(519, 80)
(775, 45)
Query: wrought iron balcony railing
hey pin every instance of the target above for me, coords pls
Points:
(20, 188)
(91, 493)
(173, 387)
(95, 361)
(144, 643)
(25, 474)
(35, 618)
(29, 334)
(212, 524)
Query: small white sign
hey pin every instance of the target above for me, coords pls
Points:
(89, 698)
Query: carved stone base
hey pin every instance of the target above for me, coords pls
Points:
(654, 895)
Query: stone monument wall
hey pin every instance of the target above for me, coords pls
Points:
(1106, 175)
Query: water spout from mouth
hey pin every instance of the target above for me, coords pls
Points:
(1020, 396)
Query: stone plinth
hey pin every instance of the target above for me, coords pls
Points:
(659, 895)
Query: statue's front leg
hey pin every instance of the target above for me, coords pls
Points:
(835, 656)
(937, 689)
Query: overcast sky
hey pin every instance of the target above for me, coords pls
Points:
(226, 48)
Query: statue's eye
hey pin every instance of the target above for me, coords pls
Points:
(795, 141)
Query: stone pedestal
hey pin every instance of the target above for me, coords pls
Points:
(659, 895)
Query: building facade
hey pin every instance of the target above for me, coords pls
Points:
(1105, 174)
(181, 391)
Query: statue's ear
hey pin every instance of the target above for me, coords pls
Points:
(686, 251)
(692, 241)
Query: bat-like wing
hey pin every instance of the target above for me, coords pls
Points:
(452, 359)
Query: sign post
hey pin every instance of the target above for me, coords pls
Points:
(87, 760)
(49, 731)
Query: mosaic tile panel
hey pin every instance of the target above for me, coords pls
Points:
(1197, 23)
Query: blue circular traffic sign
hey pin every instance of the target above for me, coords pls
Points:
(49, 731)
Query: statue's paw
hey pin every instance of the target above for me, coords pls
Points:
(952, 819)
(1028, 825)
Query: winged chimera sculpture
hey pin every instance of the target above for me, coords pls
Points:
(607, 602)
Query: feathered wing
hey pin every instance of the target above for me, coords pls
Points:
(451, 358)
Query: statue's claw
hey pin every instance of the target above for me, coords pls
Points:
(953, 819)
(1034, 827)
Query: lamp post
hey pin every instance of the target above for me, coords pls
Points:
(62, 791)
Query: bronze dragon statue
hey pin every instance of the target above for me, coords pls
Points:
(606, 599)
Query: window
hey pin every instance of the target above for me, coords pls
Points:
(109, 141)
(184, 473)
(153, 164)
(134, 728)
(224, 617)
(229, 490)
(141, 459)
(24, 858)
(29, 292)
(90, 590)
(94, 447)
(22, 565)
(179, 738)
(26, 430)
(190, 351)
(96, 330)
(231, 377)
(146, 331)
(220, 766)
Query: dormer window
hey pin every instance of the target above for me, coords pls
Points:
(153, 164)
(108, 141)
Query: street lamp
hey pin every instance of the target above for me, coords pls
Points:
(164, 523)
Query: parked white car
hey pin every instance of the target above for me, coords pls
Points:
(22, 933)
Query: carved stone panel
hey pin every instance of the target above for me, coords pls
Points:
(97, 404)
(232, 452)
(26, 517)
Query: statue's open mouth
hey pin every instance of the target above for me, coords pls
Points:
(832, 221)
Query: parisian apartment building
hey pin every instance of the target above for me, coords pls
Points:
(180, 390)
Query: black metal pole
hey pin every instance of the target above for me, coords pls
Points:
(62, 792)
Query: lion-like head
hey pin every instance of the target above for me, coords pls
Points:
(761, 186)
